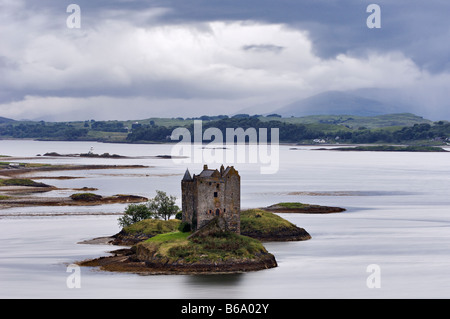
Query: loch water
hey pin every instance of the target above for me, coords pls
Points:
(393, 240)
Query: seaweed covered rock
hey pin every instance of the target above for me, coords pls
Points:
(86, 197)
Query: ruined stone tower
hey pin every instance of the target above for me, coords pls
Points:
(209, 194)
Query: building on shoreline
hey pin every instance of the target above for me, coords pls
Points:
(212, 193)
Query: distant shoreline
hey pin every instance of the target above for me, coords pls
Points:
(293, 145)
(386, 148)
(304, 130)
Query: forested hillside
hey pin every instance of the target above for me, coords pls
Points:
(397, 128)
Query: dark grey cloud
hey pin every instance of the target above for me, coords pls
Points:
(97, 62)
(420, 29)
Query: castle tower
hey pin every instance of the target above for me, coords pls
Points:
(209, 194)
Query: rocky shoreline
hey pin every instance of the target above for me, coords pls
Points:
(17, 188)
(125, 260)
(142, 257)
(19, 201)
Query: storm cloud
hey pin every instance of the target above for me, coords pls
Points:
(137, 59)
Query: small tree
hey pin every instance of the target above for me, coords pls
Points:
(135, 213)
(163, 206)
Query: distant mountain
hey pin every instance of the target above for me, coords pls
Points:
(5, 120)
(338, 103)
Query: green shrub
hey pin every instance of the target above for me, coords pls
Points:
(161, 206)
(135, 213)
(184, 227)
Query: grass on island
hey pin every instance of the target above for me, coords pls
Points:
(293, 205)
(153, 227)
(252, 221)
(171, 245)
(168, 244)
(175, 246)
(258, 221)
(169, 237)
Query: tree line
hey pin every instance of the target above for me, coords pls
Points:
(288, 132)
(297, 133)
(58, 130)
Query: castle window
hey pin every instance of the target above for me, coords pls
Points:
(217, 212)
(215, 194)
(217, 186)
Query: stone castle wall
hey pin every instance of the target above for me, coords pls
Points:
(203, 198)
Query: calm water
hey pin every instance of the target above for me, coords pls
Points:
(398, 218)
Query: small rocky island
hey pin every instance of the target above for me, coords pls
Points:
(302, 208)
(160, 247)
(212, 235)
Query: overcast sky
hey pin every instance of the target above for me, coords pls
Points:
(135, 59)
